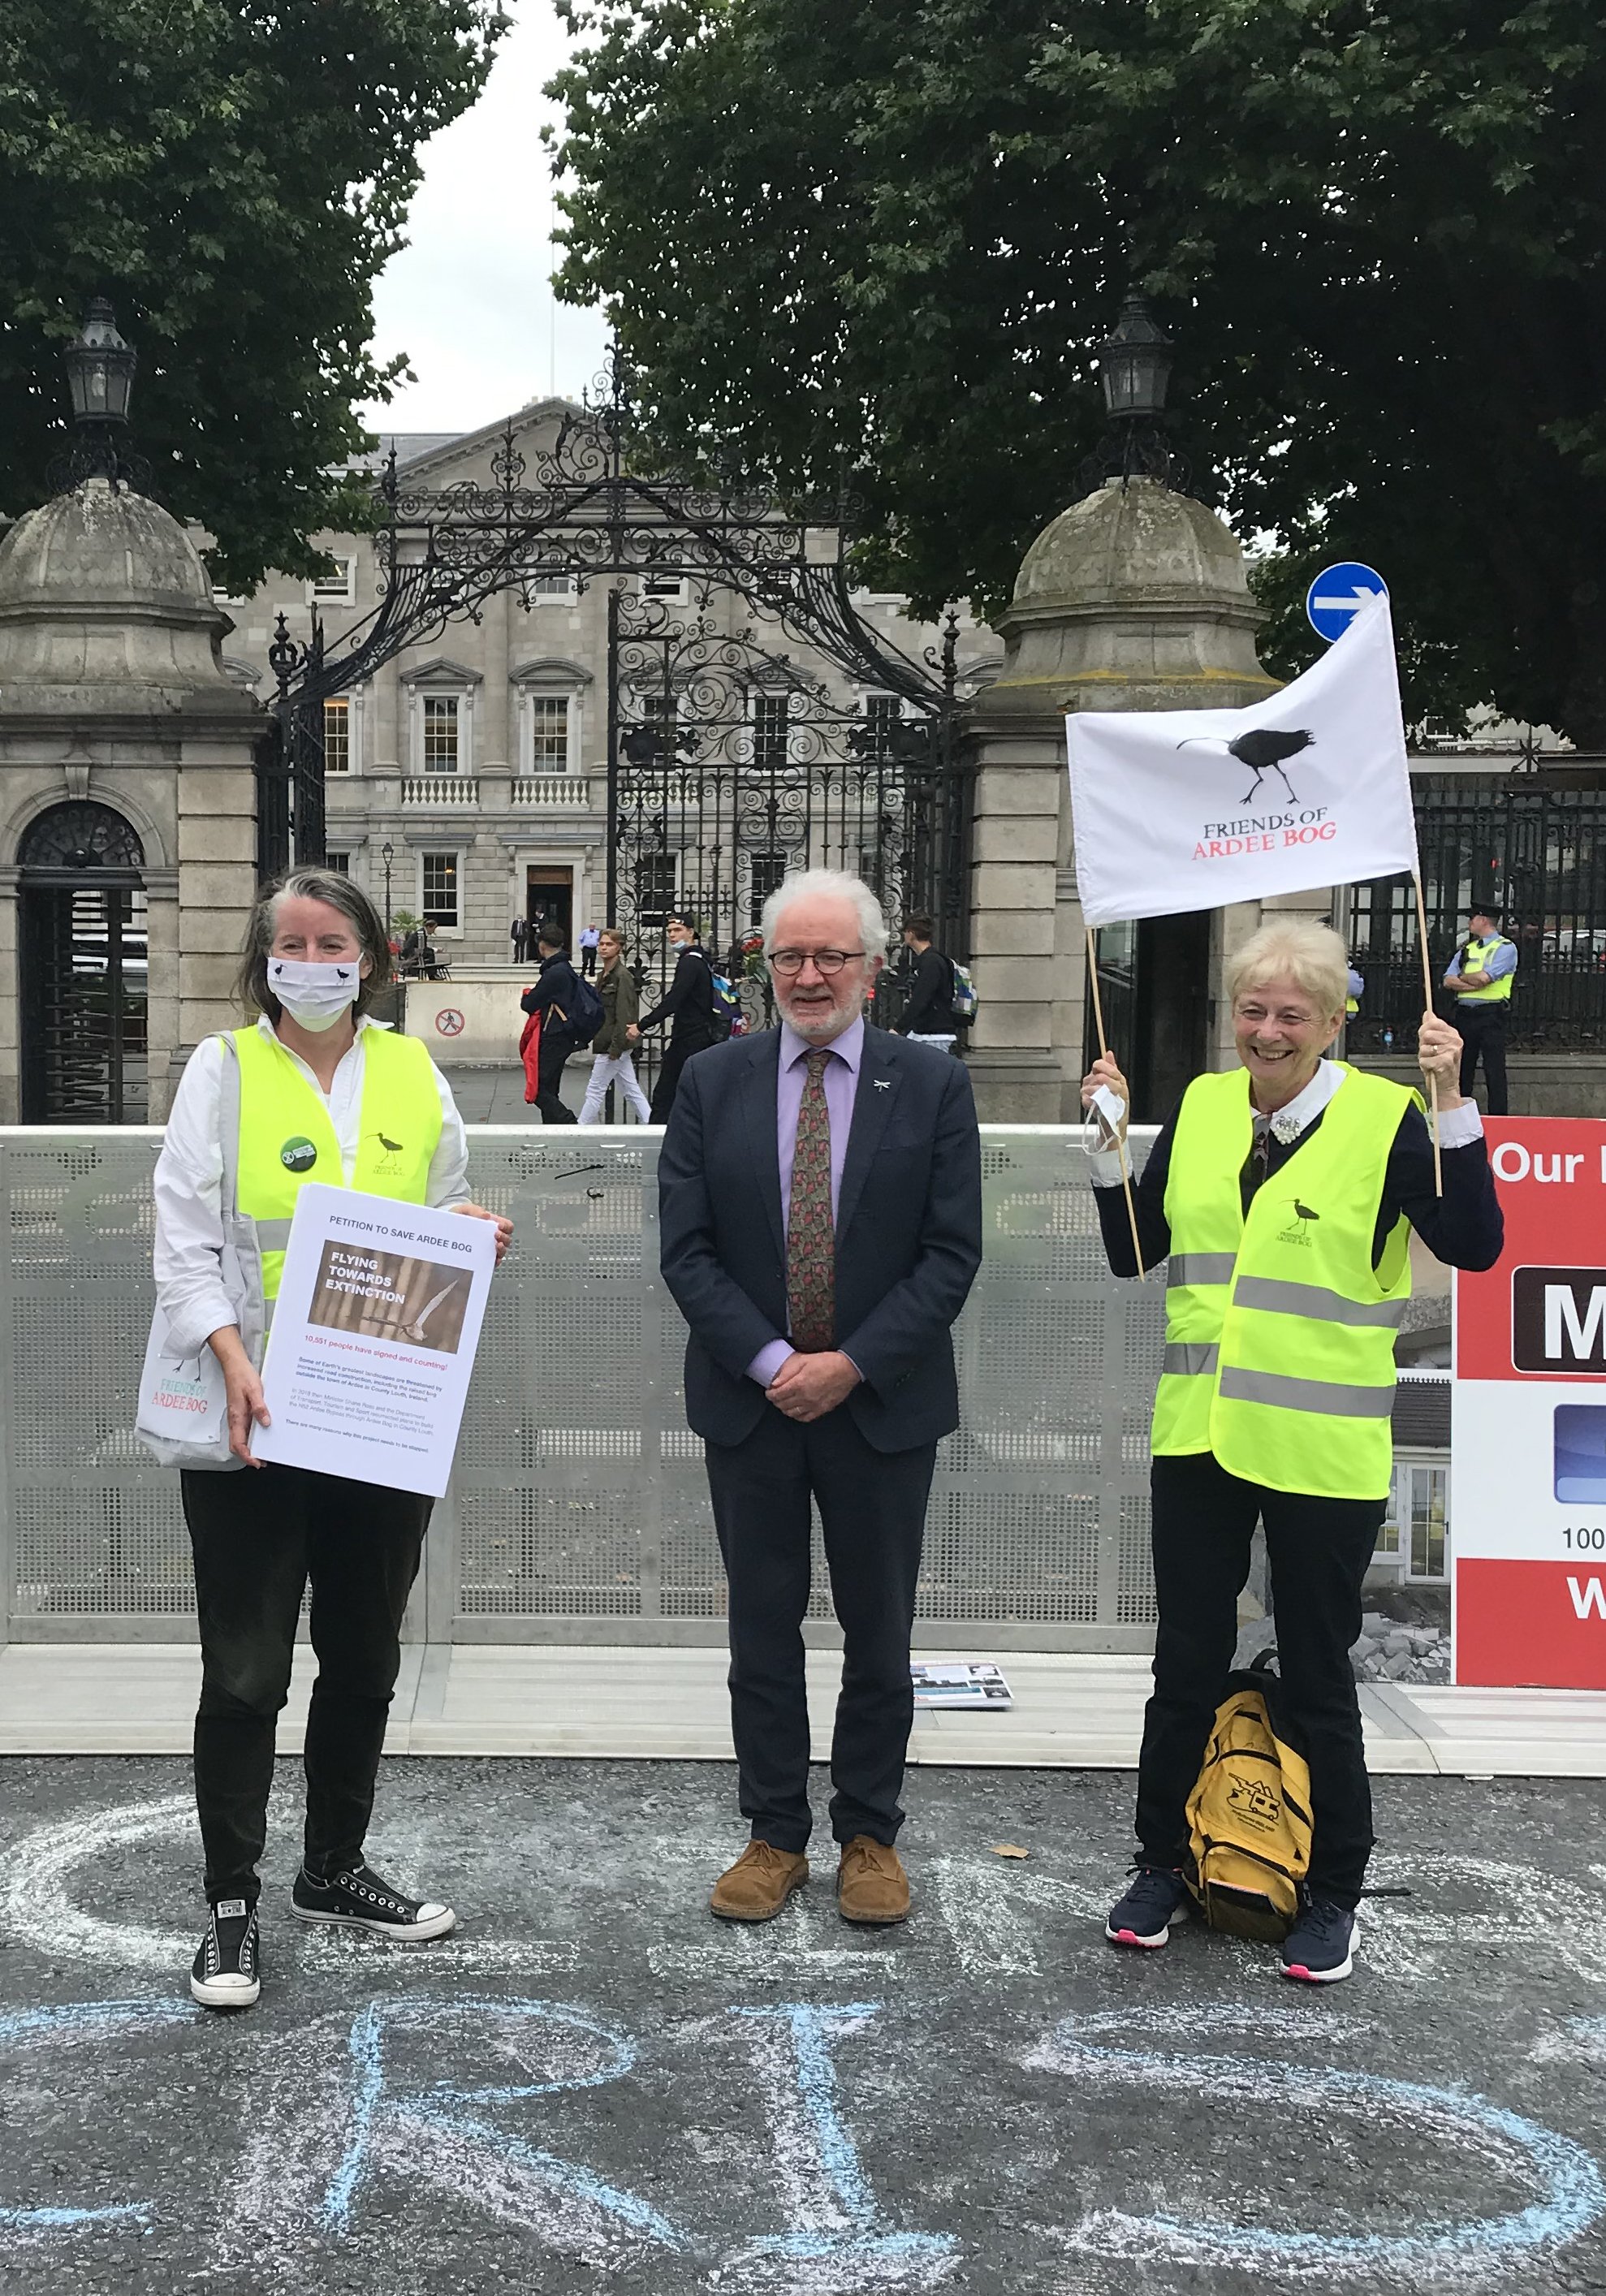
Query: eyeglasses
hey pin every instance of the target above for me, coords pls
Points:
(826, 962)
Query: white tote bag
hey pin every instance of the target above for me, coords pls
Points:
(183, 1413)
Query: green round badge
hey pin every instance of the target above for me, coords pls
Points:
(298, 1155)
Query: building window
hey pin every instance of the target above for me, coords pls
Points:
(336, 589)
(772, 725)
(882, 712)
(1415, 1535)
(549, 734)
(656, 888)
(542, 586)
(341, 862)
(442, 727)
(768, 870)
(441, 882)
(336, 735)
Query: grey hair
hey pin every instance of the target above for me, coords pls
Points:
(837, 885)
(329, 885)
(1298, 949)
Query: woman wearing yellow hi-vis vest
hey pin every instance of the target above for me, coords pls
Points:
(1281, 1195)
(312, 1089)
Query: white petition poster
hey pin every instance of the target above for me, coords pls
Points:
(1180, 809)
(373, 1337)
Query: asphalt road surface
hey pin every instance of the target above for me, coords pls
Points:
(594, 2087)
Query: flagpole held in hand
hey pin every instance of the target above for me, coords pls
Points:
(1098, 1017)
(1421, 927)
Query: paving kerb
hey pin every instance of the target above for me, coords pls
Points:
(596, 2087)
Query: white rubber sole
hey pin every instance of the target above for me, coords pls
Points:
(1149, 1944)
(212, 1992)
(437, 1925)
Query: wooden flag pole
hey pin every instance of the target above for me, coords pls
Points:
(1098, 1017)
(1421, 927)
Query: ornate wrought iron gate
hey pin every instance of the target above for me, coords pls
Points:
(85, 969)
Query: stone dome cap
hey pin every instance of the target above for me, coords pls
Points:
(102, 546)
(1137, 543)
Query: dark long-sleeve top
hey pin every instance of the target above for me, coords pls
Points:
(1464, 1227)
(930, 1010)
(689, 999)
(555, 985)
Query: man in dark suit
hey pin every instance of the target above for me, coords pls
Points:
(820, 1212)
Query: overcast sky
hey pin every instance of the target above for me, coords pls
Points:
(469, 300)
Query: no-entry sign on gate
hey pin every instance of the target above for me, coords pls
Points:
(1528, 1419)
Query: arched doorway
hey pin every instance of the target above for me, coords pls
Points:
(85, 969)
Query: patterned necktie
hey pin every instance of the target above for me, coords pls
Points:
(811, 1249)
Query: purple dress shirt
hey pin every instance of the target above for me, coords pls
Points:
(841, 1081)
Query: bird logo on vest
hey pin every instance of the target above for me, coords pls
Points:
(1298, 1230)
(392, 1150)
(1262, 749)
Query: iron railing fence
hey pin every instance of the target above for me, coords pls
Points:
(1533, 850)
(578, 1511)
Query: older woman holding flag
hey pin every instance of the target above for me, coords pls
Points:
(1281, 1193)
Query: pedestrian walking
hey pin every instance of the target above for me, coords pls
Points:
(688, 1006)
(1283, 1193)
(311, 1088)
(1482, 973)
(820, 1217)
(612, 1063)
(928, 1017)
(589, 938)
(553, 998)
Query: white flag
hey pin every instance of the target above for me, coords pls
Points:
(1180, 809)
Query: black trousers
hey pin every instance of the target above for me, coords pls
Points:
(587, 963)
(1319, 1550)
(677, 1052)
(257, 1537)
(872, 1513)
(549, 1084)
(1483, 1036)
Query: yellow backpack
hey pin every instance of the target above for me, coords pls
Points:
(1249, 1817)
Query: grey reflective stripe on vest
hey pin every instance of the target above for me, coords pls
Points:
(1201, 1268)
(1340, 1401)
(1273, 1297)
(1190, 1358)
(273, 1235)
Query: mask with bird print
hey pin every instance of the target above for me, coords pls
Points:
(314, 995)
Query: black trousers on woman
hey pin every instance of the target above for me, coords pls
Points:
(1319, 1550)
(257, 1537)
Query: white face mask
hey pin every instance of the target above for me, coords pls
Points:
(314, 995)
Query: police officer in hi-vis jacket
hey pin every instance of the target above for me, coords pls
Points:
(311, 1088)
(1281, 1195)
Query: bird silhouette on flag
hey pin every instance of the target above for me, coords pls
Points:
(1262, 749)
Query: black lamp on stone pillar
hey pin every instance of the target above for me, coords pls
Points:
(1134, 372)
(386, 854)
(100, 381)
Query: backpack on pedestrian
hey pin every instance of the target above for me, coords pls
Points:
(585, 1013)
(1249, 1815)
(964, 999)
(726, 1016)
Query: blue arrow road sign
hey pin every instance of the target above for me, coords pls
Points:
(1338, 592)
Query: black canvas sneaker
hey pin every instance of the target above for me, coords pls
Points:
(226, 1973)
(356, 1898)
(1146, 1915)
(1320, 1947)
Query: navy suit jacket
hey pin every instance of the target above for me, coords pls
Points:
(908, 1233)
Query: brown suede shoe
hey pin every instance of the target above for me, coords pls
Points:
(758, 1884)
(872, 1885)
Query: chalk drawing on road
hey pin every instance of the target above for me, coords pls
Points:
(1411, 1938)
(839, 2238)
(443, 2134)
(1569, 2191)
(85, 2023)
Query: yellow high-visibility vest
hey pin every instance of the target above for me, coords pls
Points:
(1474, 957)
(286, 1137)
(1280, 1333)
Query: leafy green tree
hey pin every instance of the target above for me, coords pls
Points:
(890, 233)
(232, 174)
